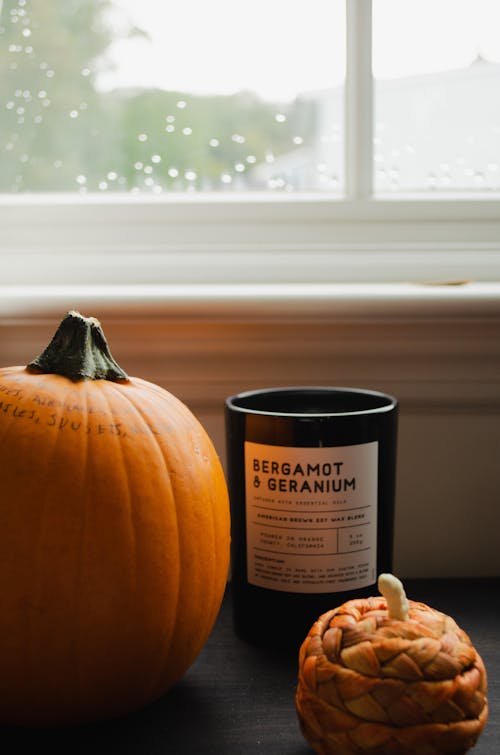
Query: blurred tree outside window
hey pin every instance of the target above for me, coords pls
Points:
(77, 117)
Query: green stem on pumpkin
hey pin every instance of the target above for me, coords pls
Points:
(79, 351)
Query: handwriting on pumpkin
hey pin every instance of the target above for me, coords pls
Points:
(52, 403)
(10, 391)
(60, 422)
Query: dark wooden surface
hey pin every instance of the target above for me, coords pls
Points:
(239, 700)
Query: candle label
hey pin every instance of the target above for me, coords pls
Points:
(311, 517)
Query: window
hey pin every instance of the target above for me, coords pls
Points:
(437, 116)
(235, 142)
(115, 95)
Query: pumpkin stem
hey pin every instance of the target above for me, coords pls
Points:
(79, 351)
(393, 591)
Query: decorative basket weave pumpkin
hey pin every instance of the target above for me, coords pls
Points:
(386, 676)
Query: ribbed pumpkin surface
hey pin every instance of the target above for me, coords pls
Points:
(373, 684)
(114, 545)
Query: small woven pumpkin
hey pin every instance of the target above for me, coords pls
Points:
(387, 676)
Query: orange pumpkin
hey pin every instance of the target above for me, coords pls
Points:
(114, 535)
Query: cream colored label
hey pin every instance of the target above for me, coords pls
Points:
(311, 517)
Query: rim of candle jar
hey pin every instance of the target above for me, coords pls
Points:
(363, 401)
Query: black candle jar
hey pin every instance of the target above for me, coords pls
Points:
(311, 475)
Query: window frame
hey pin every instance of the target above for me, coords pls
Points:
(265, 237)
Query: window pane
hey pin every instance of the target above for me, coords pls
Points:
(436, 65)
(152, 96)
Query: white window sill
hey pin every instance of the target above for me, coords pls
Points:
(52, 239)
(342, 301)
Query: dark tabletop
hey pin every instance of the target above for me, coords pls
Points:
(239, 700)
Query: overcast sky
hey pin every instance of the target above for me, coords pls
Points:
(279, 48)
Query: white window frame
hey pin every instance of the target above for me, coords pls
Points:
(264, 238)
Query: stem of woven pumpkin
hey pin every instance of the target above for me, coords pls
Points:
(393, 591)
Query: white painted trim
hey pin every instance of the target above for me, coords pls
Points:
(359, 100)
(331, 302)
(244, 206)
(277, 240)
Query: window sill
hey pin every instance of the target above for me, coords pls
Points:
(266, 239)
(345, 301)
